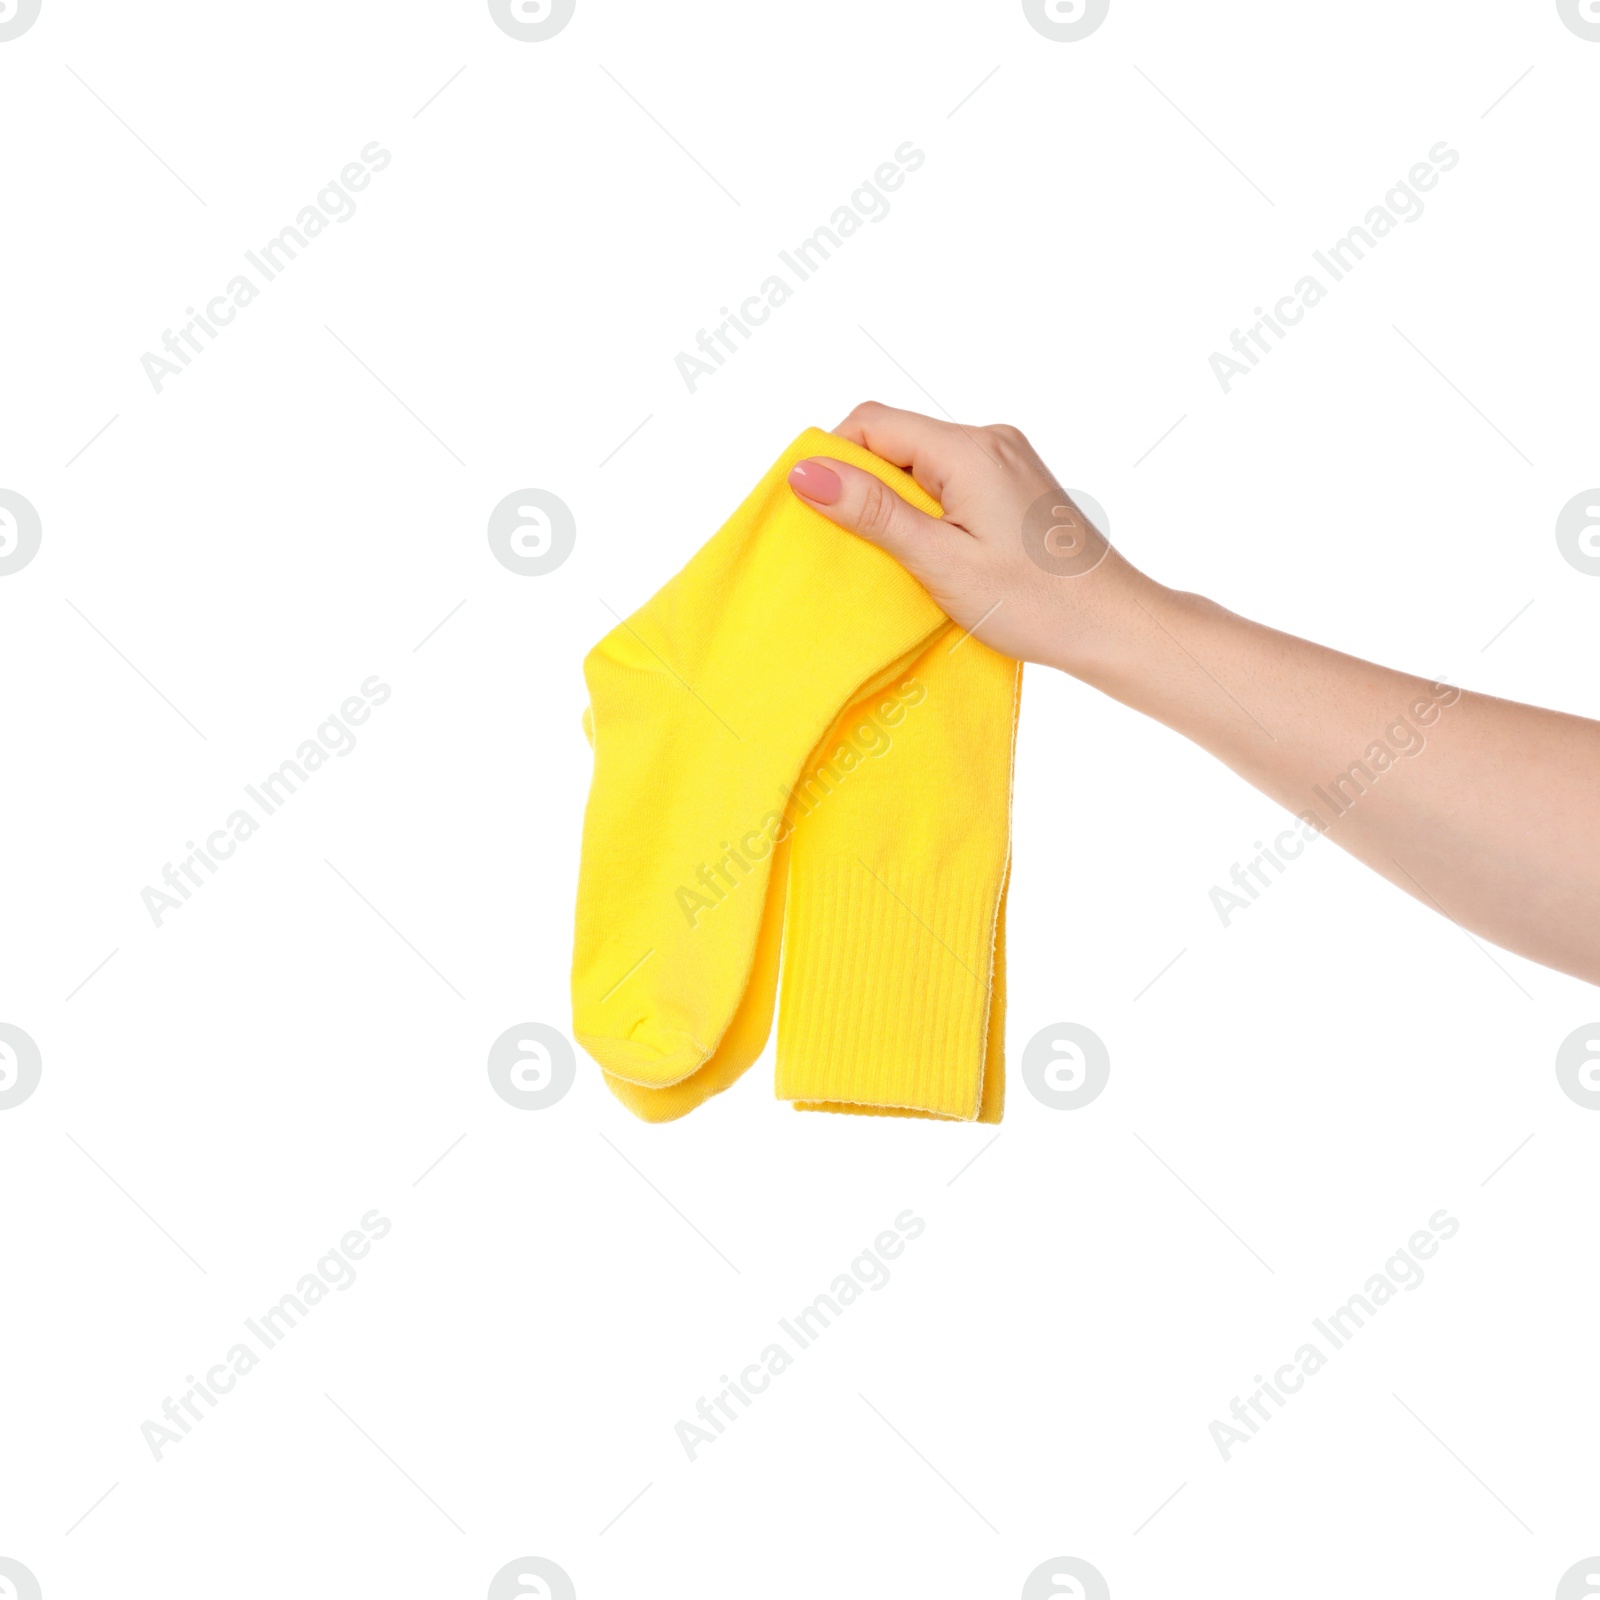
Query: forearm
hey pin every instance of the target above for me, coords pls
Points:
(1484, 809)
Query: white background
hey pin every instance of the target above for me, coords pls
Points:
(228, 560)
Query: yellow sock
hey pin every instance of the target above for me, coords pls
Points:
(718, 734)
(896, 886)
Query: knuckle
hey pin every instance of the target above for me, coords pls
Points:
(1004, 433)
(877, 508)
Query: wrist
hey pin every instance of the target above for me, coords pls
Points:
(1102, 627)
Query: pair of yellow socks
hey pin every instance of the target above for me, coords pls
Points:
(797, 758)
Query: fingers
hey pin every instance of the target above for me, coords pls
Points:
(866, 505)
(930, 450)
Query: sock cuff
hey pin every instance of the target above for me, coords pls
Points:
(887, 986)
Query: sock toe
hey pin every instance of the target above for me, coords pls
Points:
(652, 1057)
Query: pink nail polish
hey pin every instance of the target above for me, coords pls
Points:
(816, 482)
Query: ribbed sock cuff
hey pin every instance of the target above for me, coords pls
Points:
(886, 988)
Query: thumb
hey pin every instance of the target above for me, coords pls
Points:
(866, 505)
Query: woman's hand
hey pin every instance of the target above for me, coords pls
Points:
(1012, 560)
